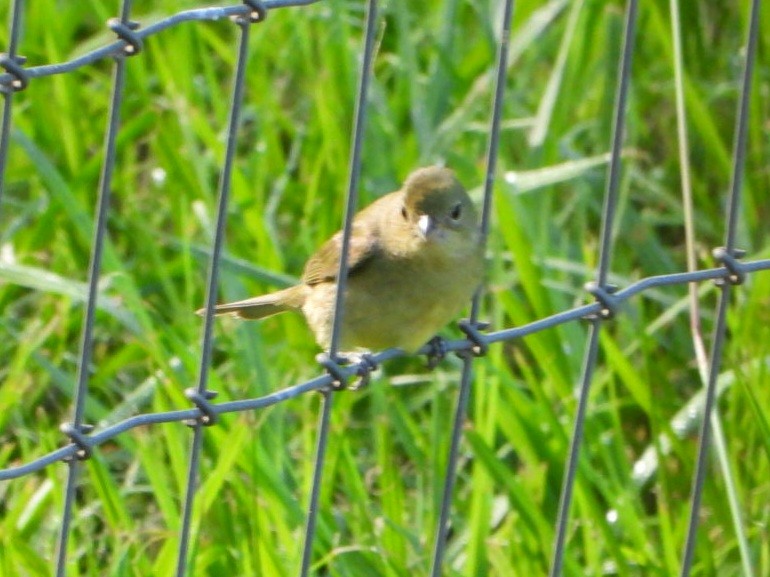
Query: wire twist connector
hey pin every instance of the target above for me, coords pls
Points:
(736, 275)
(78, 434)
(257, 13)
(126, 32)
(335, 370)
(603, 295)
(472, 330)
(201, 400)
(13, 65)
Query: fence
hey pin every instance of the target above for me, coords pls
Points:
(84, 439)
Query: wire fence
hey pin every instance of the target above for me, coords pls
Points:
(84, 439)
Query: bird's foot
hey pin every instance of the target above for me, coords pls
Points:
(335, 367)
(438, 351)
(366, 366)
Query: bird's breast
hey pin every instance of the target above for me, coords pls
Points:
(395, 302)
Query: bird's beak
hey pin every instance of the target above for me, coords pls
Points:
(425, 224)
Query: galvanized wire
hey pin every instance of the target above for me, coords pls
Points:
(9, 59)
(326, 380)
(205, 412)
(201, 395)
(315, 483)
(76, 429)
(463, 395)
(115, 48)
(727, 255)
(599, 289)
(354, 172)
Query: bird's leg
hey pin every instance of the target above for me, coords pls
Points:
(366, 366)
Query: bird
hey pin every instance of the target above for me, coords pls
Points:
(415, 259)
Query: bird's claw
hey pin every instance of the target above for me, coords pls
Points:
(367, 365)
(366, 362)
(438, 351)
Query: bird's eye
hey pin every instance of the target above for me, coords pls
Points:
(404, 213)
(457, 211)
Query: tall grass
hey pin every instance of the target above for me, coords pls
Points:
(429, 103)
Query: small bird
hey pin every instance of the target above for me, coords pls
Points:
(415, 259)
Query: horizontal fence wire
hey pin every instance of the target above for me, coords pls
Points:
(608, 299)
(247, 9)
(612, 303)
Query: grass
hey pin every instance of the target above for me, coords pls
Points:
(429, 102)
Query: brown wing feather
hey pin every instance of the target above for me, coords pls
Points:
(365, 242)
(324, 265)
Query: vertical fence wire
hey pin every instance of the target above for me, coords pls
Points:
(354, 171)
(77, 428)
(12, 57)
(200, 395)
(601, 291)
(354, 174)
(466, 377)
(315, 487)
(699, 346)
(727, 254)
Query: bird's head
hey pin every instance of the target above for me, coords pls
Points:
(438, 207)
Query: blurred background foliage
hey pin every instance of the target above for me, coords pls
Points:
(430, 102)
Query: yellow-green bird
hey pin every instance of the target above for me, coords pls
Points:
(415, 260)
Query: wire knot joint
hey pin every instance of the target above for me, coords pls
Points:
(201, 399)
(126, 31)
(604, 296)
(257, 12)
(472, 330)
(729, 259)
(335, 369)
(78, 434)
(14, 66)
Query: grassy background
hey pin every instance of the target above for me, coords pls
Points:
(430, 102)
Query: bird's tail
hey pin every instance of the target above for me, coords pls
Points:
(263, 306)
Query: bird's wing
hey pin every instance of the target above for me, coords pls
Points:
(324, 265)
(365, 242)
